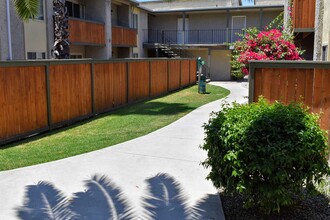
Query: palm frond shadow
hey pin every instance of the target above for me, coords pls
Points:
(102, 200)
(207, 207)
(44, 201)
(165, 199)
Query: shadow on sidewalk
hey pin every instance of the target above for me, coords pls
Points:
(103, 199)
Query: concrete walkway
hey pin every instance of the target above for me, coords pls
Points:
(157, 176)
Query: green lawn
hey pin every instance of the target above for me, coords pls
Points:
(107, 130)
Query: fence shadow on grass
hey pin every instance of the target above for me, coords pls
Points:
(154, 108)
(163, 199)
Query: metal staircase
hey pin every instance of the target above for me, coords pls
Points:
(171, 49)
(167, 51)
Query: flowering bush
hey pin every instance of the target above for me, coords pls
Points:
(262, 45)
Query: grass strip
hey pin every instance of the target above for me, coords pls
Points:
(108, 129)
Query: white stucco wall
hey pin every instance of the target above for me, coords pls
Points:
(326, 26)
(35, 36)
(220, 65)
(212, 20)
(204, 21)
(219, 62)
(3, 32)
(142, 27)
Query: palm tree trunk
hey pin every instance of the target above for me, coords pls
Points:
(61, 32)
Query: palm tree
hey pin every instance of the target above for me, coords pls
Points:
(26, 9)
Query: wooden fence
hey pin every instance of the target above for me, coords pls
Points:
(303, 14)
(38, 96)
(305, 81)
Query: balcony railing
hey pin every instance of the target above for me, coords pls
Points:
(125, 37)
(214, 36)
(86, 32)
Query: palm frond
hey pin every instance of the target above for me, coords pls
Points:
(27, 9)
(103, 199)
(44, 201)
(165, 199)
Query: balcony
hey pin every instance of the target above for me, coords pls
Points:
(83, 32)
(192, 37)
(124, 37)
(303, 15)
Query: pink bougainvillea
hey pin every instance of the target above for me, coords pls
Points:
(264, 45)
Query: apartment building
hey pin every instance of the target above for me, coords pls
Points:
(311, 27)
(98, 29)
(125, 28)
(203, 28)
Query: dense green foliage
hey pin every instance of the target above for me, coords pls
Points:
(267, 152)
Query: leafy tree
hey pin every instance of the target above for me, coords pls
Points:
(26, 9)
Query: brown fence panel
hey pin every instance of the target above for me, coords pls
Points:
(52, 93)
(86, 32)
(303, 14)
(322, 77)
(193, 72)
(185, 72)
(138, 81)
(120, 84)
(299, 84)
(174, 74)
(70, 91)
(23, 100)
(110, 85)
(159, 77)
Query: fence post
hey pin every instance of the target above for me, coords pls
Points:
(48, 97)
(251, 82)
(92, 86)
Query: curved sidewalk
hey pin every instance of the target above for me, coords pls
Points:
(157, 176)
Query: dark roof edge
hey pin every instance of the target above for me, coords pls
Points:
(212, 9)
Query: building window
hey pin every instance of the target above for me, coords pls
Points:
(40, 15)
(135, 21)
(246, 2)
(36, 55)
(325, 53)
(41, 10)
(135, 55)
(74, 10)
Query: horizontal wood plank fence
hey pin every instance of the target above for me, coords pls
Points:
(38, 96)
(122, 36)
(86, 32)
(302, 81)
(303, 14)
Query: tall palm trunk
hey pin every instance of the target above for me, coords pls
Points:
(61, 25)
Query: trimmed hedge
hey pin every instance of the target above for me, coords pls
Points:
(267, 152)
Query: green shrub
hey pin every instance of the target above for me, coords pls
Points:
(267, 152)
